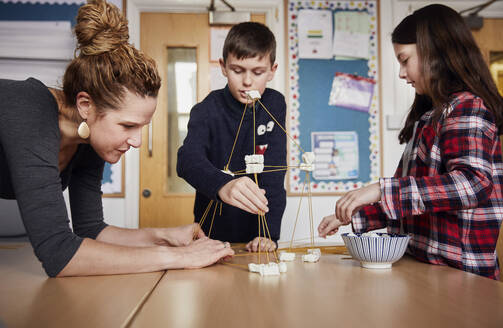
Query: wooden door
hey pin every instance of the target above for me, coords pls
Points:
(490, 41)
(165, 199)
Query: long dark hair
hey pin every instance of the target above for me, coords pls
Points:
(450, 62)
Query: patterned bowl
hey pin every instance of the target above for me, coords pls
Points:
(376, 250)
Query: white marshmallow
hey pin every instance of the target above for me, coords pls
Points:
(316, 251)
(254, 159)
(370, 234)
(310, 258)
(306, 167)
(253, 94)
(254, 267)
(270, 269)
(254, 168)
(286, 256)
(308, 157)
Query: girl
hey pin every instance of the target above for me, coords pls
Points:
(447, 190)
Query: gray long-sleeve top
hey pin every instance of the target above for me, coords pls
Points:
(29, 172)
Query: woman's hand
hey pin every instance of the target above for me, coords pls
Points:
(177, 236)
(266, 245)
(354, 200)
(204, 252)
(329, 226)
(244, 194)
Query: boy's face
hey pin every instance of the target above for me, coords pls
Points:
(247, 74)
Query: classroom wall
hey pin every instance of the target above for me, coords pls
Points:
(396, 97)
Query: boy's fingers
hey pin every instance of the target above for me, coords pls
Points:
(257, 203)
(252, 186)
(254, 194)
(245, 203)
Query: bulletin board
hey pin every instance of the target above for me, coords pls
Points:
(310, 116)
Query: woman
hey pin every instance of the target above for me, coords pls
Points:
(52, 139)
(447, 190)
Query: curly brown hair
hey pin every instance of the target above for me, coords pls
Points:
(105, 64)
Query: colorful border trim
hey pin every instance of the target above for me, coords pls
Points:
(295, 186)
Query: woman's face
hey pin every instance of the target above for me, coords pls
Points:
(410, 69)
(115, 131)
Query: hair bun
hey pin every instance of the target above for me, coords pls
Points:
(100, 28)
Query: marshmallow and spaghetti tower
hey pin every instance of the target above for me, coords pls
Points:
(255, 165)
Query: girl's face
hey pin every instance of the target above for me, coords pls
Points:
(410, 69)
(115, 131)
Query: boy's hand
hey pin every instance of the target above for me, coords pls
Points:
(244, 194)
(266, 245)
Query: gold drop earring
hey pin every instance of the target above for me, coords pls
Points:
(83, 130)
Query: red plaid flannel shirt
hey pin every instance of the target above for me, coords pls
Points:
(450, 201)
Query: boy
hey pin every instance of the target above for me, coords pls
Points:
(248, 63)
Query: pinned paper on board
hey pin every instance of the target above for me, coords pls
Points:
(351, 34)
(351, 91)
(336, 155)
(315, 34)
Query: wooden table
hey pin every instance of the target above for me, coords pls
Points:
(28, 298)
(336, 292)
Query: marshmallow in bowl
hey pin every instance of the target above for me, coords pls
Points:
(370, 234)
(351, 234)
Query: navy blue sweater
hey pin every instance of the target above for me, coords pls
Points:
(205, 151)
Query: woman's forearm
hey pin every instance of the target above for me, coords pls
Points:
(128, 237)
(101, 258)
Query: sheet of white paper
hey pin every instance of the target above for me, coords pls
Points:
(217, 79)
(217, 38)
(351, 34)
(315, 34)
(351, 44)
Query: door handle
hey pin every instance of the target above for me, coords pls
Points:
(146, 193)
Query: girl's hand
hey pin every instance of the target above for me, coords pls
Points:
(329, 226)
(354, 200)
